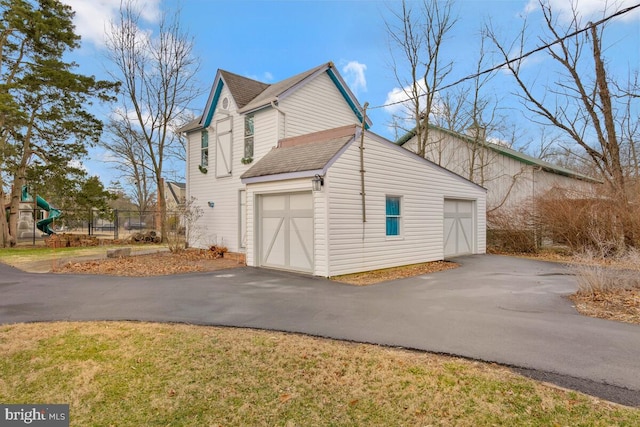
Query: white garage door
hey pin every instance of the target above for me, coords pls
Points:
(458, 227)
(286, 231)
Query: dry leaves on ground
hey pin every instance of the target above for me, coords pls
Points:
(377, 276)
(158, 264)
(622, 305)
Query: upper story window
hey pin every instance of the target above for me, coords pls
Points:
(204, 148)
(393, 215)
(248, 136)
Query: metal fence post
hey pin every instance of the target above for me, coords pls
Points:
(116, 224)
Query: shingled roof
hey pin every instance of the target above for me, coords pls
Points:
(251, 95)
(273, 91)
(242, 89)
(309, 152)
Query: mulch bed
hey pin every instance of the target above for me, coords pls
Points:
(159, 264)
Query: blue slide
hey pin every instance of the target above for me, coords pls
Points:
(43, 224)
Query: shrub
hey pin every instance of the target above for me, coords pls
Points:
(595, 276)
(512, 230)
(593, 223)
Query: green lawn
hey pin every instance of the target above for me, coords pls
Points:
(138, 374)
(28, 254)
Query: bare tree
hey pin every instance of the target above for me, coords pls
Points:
(127, 146)
(580, 103)
(416, 38)
(156, 72)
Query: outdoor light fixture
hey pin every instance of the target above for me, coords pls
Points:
(317, 182)
(211, 204)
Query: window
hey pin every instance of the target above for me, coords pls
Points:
(393, 215)
(248, 137)
(204, 149)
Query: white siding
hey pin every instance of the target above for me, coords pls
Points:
(317, 105)
(509, 182)
(220, 224)
(319, 221)
(359, 246)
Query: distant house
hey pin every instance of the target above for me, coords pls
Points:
(512, 178)
(289, 174)
(175, 194)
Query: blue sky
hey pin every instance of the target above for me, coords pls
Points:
(271, 40)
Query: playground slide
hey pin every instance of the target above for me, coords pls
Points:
(43, 224)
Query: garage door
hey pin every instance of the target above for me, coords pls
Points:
(458, 227)
(286, 231)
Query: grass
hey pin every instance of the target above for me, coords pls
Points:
(28, 254)
(132, 374)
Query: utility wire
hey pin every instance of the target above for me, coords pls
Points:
(521, 57)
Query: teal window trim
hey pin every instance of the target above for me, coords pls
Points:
(214, 103)
(346, 97)
(393, 215)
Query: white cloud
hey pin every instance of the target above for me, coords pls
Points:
(354, 74)
(398, 100)
(268, 77)
(77, 164)
(93, 17)
(588, 9)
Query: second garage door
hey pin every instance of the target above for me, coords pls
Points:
(286, 231)
(458, 227)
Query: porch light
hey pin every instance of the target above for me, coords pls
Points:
(317, 183)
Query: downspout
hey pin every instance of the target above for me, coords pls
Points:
(284, 120)
(362, 171)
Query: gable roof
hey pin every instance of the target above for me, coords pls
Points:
(505, 151)
(242, 89)
(251, 95)
(274, 91)
(172, 185)
(304, 155)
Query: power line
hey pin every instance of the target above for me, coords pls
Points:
(522, 56)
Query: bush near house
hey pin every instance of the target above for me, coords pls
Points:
(594, 224)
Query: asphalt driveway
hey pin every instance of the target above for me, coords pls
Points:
(501, 309)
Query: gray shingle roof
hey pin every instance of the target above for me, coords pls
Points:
(303, 153)
(242, 89)
(192, 125)
(272, 91)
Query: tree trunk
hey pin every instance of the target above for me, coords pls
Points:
(5, 237)
(162, 207)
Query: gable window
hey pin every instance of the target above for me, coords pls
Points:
(248, 137)
(204, 149)
(393, 216)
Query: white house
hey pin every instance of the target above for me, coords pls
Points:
(288, 174)
(512, 178)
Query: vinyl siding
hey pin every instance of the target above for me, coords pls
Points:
(220, 224)
(315, 106)
(509, 182)
(355, 245)
(319, 221)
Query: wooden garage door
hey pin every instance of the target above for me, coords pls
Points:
(286, 231)
(458, 227)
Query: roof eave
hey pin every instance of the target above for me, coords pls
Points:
(282, 176)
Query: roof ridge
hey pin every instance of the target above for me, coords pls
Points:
(272, 91)
(320, 136)
(507, 151)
